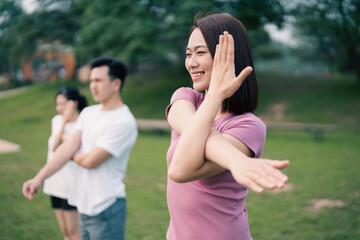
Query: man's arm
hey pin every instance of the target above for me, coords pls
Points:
(61, 156)
(92, 159)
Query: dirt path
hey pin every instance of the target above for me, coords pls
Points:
(6, 93)
(6, 147)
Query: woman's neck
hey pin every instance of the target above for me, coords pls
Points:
(74, 117)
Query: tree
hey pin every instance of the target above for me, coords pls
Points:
(155, 31)
(21, 33)
(10, 13)
(334, 27)
(118, 29)
(255, 14)
(140, 32)
(43, 27)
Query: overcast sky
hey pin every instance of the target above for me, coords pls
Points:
(29, 5)
(284, 35)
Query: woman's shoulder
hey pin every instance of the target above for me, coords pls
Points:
(246, 119)
(57, 118)
(248, 128)
(187, 93)
(184, 90)
(252, 117)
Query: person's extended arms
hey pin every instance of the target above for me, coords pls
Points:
(180, 114)
(198, 141)
(222, 149)
(91, 159)
(61, 156)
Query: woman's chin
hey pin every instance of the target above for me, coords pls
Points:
(199, 87)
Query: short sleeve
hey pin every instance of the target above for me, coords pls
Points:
(250, 130)
(118, 137)
(80, 121)
(185, 93)
(56, 123)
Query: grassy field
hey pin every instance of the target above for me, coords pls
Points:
(320, 172)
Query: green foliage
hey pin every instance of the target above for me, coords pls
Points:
(46, 27)
(10, 13)
(256, 13)
(140, 32)
(110, 28)
(333, 28)
(262, 46)
(267, 52)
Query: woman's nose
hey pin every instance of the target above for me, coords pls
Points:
(192, 61)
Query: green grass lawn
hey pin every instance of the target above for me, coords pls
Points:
(319, 170)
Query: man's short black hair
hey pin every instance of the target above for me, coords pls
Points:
(117, 69)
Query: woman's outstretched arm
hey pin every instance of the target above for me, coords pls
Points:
(199, 142)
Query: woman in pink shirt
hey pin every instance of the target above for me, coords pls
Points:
(216, 141)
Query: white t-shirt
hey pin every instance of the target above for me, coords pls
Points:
(59, 183)
(115, 131)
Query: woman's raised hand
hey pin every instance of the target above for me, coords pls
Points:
(223, 79)
(70, 110)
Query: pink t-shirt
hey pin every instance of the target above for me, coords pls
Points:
(212, 208)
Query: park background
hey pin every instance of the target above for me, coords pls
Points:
(307, 83)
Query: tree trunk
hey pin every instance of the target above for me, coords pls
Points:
(357, 72)
(351, 41)
(353, 56)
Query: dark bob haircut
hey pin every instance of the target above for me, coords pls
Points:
(117, 69)
(71, 93)
(245, 99)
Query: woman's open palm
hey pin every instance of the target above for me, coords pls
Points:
(223, 79)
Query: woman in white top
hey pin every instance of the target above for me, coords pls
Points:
(69, 102)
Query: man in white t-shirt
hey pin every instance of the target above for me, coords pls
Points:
(101, 145)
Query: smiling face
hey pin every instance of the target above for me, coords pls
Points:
(198, 61)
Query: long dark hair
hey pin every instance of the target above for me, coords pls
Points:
(71, 93)
(245, 99)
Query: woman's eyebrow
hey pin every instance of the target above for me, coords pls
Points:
(196, 47)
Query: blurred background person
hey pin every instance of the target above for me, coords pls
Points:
(69, 103)
(104, 136)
